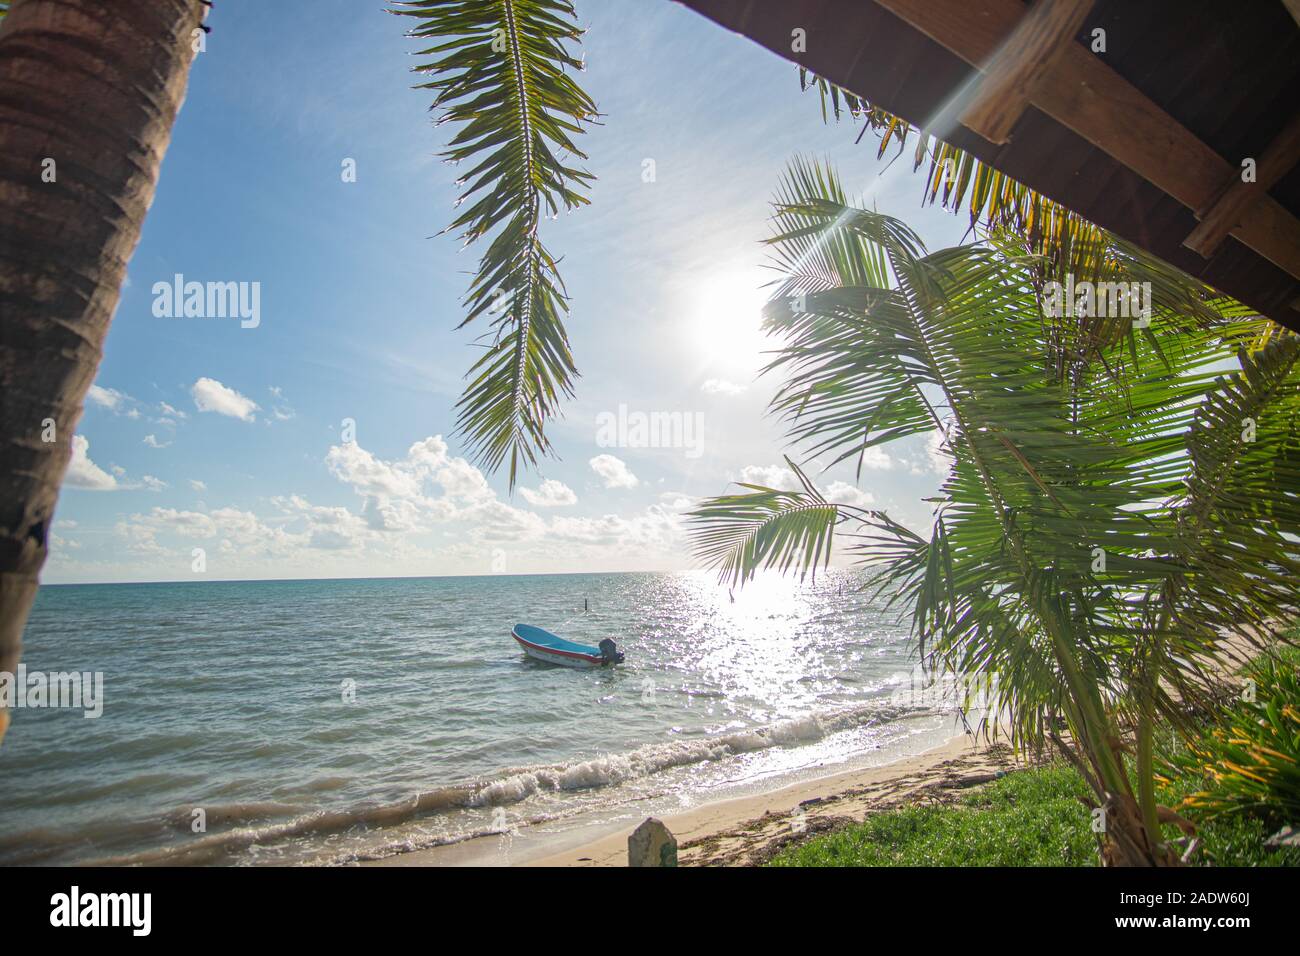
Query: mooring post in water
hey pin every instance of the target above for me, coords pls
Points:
(584, 605)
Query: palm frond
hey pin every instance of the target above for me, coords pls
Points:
(767, 527)
(834, 303)
(503, 71)
(1239, 517)
(953, 176)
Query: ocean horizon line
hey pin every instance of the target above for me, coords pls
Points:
(376, 577)
(395, 577)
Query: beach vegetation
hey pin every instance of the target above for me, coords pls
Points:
(1118, 494)
(1247, 761)
(1033, 817)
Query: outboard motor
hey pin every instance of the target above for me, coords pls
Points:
(610, 652)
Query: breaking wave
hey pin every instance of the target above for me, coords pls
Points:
(245, 827)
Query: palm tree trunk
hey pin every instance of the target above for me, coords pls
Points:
(88, 95)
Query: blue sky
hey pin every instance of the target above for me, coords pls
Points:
(359, 300)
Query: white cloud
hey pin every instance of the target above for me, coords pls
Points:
(109, 398)
(677, 501)
(235, 532)
(940, 461)
(84, 473)
(460, 479)
(329, 528)
(153, 442)
(138, 538)
(397, 494)
(498, 521)
(211, 396)
(877, 459)
(719, 386)
(654, 528)
(771, 476)
(60, 543)
(843, 493)
(281, 409)
(141, 531)
(427, 456)
(613, 472)
(420, 511)
(170, 415)
(370, 476)
(551, 494)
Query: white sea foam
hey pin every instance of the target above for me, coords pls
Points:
(614, 769)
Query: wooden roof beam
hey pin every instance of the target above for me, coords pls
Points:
(1030, 53)
(1088, 97)
(1229, 208)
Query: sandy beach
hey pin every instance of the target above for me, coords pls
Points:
(748, 830)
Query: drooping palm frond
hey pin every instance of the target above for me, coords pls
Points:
(996, 201)
(503, 71)
(1239, 518)
(737, 534)
(843, 101)
(810, 260)
(834, 280)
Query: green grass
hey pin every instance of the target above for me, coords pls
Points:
(1027, 818)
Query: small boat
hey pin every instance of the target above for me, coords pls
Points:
(542, 645)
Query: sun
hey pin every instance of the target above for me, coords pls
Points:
(724, 316)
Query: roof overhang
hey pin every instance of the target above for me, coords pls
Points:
(1146, 139)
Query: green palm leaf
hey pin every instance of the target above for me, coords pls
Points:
(738, 534)
(996, 201)
(502, 70)
(1239, 517)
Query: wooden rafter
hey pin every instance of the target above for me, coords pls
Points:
(1029, 54)
(1088, 97)
(1235, 199)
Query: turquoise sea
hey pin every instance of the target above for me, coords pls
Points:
(337, 721)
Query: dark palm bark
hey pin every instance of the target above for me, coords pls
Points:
(95, 87)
